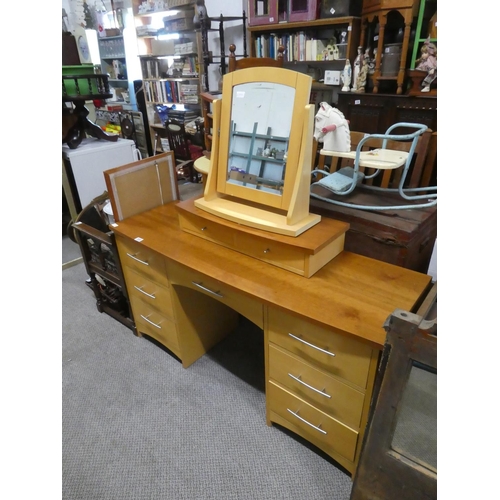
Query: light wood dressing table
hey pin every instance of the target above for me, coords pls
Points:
(322, 335)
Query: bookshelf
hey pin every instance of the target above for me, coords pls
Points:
(265, 39)
(305, 42)
(169, 53)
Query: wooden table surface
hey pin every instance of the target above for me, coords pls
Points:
(352, 294)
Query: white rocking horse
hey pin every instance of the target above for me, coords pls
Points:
(332, 129)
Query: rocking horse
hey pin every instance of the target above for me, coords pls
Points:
(332, 129)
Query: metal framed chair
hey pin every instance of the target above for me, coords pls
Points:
(393, 151)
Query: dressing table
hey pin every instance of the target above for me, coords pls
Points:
(189, 277)
(322, 334)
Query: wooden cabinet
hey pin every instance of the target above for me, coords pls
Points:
(375, 113)
(318, 384)
(320, 360)
(386, 25)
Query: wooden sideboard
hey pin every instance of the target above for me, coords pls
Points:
(375, 113)
(322, 335)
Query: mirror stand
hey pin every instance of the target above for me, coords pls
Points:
(291, 222)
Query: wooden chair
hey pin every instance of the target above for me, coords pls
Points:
(185, 151)
(254, 62)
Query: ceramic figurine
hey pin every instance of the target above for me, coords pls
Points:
(346, 76)
(362, 76)
(357, 68)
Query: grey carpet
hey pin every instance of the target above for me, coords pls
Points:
(136, 425)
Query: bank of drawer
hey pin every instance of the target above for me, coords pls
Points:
(143, 260)
(149, 291)
(323, 391)
(206, 229)
(149, 321)
(312, 422)
(271, 252)
(339, 355)
(250, 308)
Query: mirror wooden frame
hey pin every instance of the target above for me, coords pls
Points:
(286, 213)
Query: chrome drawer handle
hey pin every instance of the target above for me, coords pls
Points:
(306, 422)
(267, 250)
(199, 285)
(138, 260)
(150, 322)
(145, 293)
(312, 345)
(309, 386)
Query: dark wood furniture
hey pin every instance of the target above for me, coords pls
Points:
(78, 89)
(102, 262)
(254, 62)
(402, 237)
(375, 113)
(382, 12)
(399, 460)
(185, 151)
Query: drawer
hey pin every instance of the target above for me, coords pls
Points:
(326, 393)
(151, 322)
(250, 308)
(339, 355)
(206, 229)
(311, 423)
(136, 256)
(272, 252)
(150, 292)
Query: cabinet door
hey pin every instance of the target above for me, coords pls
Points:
(303, 10)
(263, 12)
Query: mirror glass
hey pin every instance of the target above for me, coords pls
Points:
(261, 118)
(415, 435)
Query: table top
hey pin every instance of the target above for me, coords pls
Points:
(352, 294)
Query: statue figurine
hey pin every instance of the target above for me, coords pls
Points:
(362, 76)
(346, 76)
(357, 68)
(427, 62)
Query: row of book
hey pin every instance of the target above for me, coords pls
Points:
(298, 47)
(171, 91)
(153, 68)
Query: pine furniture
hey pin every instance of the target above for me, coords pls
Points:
(323, 335)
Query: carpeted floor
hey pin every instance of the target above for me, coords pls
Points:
(136, 425)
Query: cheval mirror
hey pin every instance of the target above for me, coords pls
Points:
(260, 168)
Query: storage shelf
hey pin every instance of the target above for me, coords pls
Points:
(303, 24)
